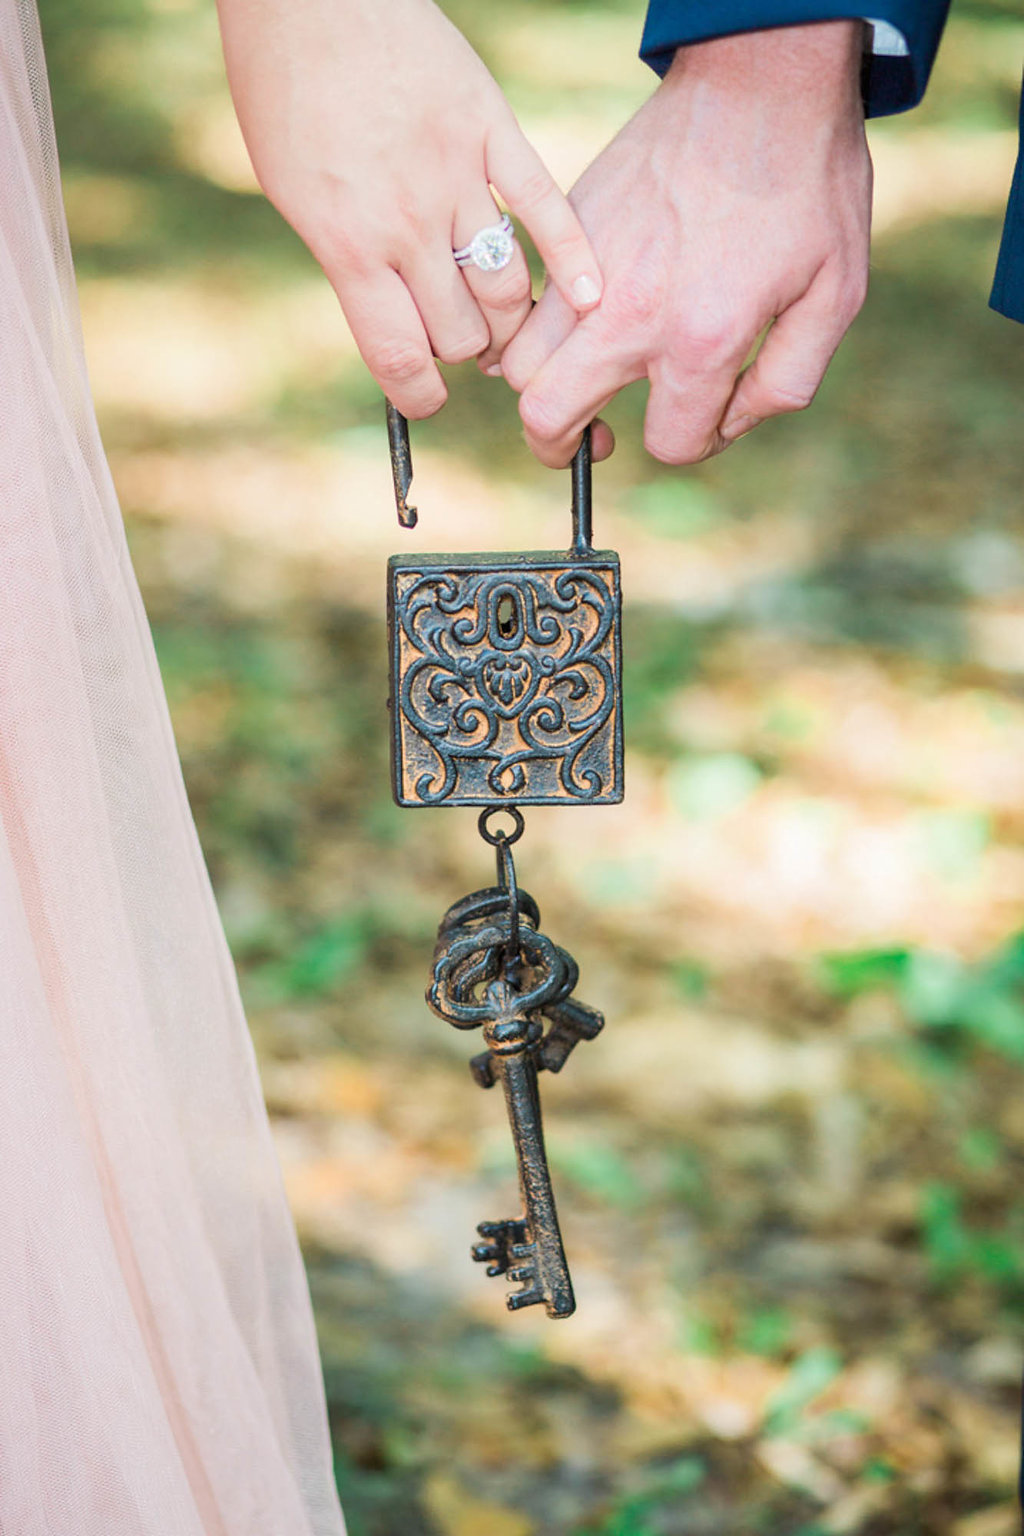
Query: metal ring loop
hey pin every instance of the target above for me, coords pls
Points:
(511, 884)
(497, 838)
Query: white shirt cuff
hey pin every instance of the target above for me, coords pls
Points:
(887, 39)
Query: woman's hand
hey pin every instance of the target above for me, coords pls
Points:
(377, 132)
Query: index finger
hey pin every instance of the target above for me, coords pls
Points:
(550, 324)
(573, 387)
(520, 176)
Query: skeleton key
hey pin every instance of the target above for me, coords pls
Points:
(529, 1251)
(571, 1021)
(529, 1248)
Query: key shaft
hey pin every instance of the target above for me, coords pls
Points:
(543, 1272)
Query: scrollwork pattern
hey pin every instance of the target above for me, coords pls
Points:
(507, 683)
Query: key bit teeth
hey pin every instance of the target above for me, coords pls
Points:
(526, 1298)
(512, 1231)
(486, 1253)
(503, 1242)
(496, 1261)
(525, 1273)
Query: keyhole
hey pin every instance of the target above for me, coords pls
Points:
(506, 617)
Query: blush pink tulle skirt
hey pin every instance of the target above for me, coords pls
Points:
(158, 1365)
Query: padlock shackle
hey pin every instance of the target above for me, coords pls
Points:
(581, 469)
(401, 465)
(582, 498)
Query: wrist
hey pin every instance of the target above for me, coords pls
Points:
(817, 63)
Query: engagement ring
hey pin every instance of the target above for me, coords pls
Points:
(490, 249)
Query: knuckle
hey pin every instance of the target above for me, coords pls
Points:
(843, 293)
(553, 456)
(710, 340)
(425, 402)
(517, 375)
(533, 190)
(672, 451)
(466, 347)
(510, 294)
(795, 397)
(401, 362)
(540, 418)
(410, 217)
(855, 292)
(567, 248)
(345, 237)
(632, 304)
(339, 236)
(341, 254)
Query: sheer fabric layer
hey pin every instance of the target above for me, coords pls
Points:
(158, 1365)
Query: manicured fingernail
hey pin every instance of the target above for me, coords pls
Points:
(585, 290)
(732, 431)
(493, 371)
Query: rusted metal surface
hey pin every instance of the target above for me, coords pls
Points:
(506, 672)
(401, 466)
(495, 970)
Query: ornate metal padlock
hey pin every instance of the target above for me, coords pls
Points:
(505, 668)
(506, 691)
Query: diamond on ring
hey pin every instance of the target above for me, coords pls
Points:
(490, 249)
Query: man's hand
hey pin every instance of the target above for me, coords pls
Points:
(738, 197)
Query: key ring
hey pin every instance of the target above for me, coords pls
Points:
(497, 838)
(503, 841)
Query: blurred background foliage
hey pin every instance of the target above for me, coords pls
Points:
(792, 1169)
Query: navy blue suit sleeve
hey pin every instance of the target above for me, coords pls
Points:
(891, 84)
(1008, 289)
